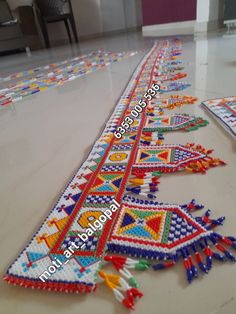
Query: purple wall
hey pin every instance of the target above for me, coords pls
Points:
(168, 11)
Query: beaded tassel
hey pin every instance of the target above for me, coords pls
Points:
(121, 264)
(151, 138)
(204, 247)
(208, 223)
(143, 184)
(192, 206)
(171, 77)
(205, 163)
(198, 249)
(118, 285)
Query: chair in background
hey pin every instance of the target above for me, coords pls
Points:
(51, 11)
(29, 26)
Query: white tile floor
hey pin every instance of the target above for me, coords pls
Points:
(43, 139)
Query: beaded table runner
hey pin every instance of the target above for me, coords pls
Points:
(224, 110)
(56, 74)
(99, 211)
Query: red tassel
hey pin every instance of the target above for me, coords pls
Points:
(133, 293)
(117, 261)
(128, 304)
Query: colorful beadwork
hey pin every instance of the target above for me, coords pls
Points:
(115, 169)
(174, 86)
(87, 192)
(166, 232)
(224, 110)
(175, 122)
(55, 74)
(173, 157)
(158, 105)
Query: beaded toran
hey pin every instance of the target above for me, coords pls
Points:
(129, 170)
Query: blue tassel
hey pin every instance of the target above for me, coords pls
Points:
(198, 259)
(203, 267)
(194, 271)
(188, 270)
(233, 239)
(152, 196)
(209, 262)
(219, 221)
(135, 190)
(218, 256)
(208, 258)
(193, 267)
(189, 275)
(198, 206)
(158, 266)
(145, 142)
(192, 205)
(230, 256)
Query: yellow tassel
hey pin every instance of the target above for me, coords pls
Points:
(136, 181)
(146, 138)
(189, 169)
(112, 281)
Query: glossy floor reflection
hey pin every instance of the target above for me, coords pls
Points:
(44, 138)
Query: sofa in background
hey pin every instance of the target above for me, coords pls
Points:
(11, 36)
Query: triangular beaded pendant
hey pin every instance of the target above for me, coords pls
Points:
(174, 157)
(174, 122)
